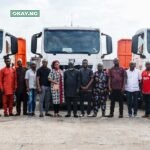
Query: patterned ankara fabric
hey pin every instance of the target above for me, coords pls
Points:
(57, 95)
(100, 90)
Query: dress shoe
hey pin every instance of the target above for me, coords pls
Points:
(94, 115)
(41, 115)
(6, 115)
(32, 114)
(11, 114)
(25, 114)
(75, 116)
(47, 114)
(58, 115)
(110, 116)
(120, 116)
(29, 114)
(103, 113)
(68, 115)
(17, 114)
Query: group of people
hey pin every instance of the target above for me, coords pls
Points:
(72, 86)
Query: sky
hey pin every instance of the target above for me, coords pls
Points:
(118, 18)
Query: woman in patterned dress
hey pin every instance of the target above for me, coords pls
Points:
(57, 86)
(100, 90)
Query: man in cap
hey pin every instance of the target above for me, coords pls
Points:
(43, 87)
(21, 94)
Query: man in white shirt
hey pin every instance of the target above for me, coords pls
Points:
(132, 89)
(31, 88)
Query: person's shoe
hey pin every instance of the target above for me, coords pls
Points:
(29, 114)
(32, 114)
(81, 115)
(145, 116)
(68, 115)
(25, 114)
(89, 115)
(110, 116)
(58, 115)
(41, 115)
(135, 115)
(120, 116)
(130, 115)
(75, 116)
(17, 114)
(6, 115)
(47, 114)
(11, 114)
(103, 113)
(55, 115)
(94, 115)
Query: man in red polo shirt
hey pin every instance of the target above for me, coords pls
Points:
(146, 89)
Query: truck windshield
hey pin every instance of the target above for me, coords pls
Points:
(72, 41)
(1, 41)
(148, 41)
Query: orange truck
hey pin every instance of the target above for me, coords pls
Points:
(124, 52)
(21, 52)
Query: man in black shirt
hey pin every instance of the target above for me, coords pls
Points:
(71, 86)
(43, 86)
(86, 77)
(21, 94)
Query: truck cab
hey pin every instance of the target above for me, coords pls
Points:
(8, 46)
(141, 47)
(71, 44)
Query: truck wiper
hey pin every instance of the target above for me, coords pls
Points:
(84, 53)
(59, 52)
(65, 52)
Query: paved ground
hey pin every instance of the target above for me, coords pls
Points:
(34, 133)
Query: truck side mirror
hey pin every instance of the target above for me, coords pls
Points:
(1, 41)
(34, 43)
(148, 41)
(14, 45)
(108, 45)
(134, 47)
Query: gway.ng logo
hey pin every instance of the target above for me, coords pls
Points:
(24, 13)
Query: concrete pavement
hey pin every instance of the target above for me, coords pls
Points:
(34, 133)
